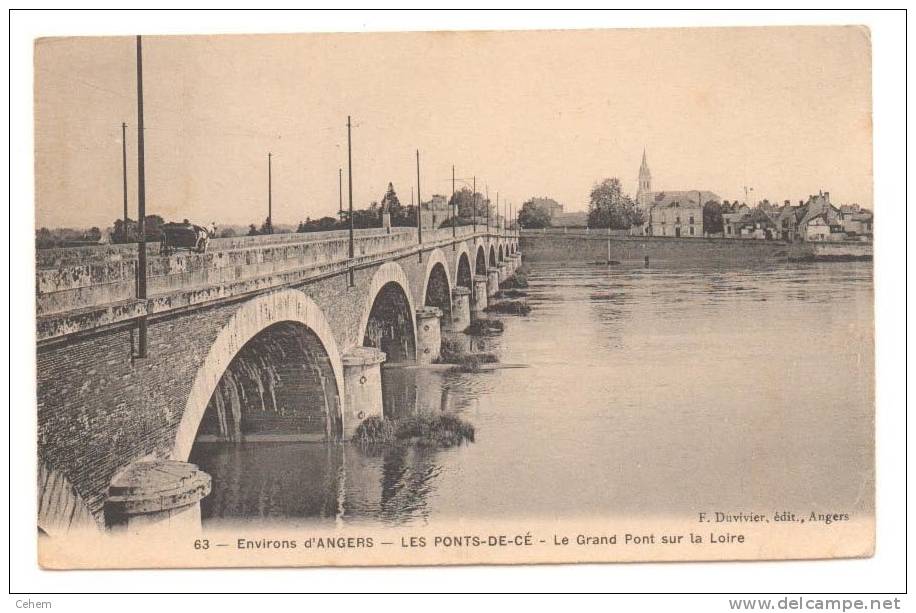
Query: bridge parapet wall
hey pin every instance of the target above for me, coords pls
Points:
(73, 297)
(62, 256)
(75, 286)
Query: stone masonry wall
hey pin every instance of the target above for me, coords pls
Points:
(670, 251)
(99, 411)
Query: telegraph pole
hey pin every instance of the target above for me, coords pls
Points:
(474, 215)
(141, 207)
(419, 207)
(270, 223)
(124, 173)
(454, 207)
(350, 197)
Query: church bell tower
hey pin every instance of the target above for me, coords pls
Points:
(644, 190)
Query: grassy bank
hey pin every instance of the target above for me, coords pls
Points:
(456, 351)
(485, 327)
(509, 307)
(516, 281)
(426, 430)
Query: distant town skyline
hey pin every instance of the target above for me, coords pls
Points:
(786, 111)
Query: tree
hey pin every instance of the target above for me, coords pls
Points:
(403, 216)
(152, 227)
(390, 202)
(406, 216)
(533, 215)
(464, 200)
(252, 230)
(712, 217)
(362, 218)
(124, 232)
(609, 207)
(44, 239)
(318, 225)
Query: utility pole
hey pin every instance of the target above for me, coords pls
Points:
(419, 207)
(124, 169)
(141, 207)
(474, 215)
(454, 207)
(350, 190)
(609, 243)
(270, 222)
(124, 174)
(609, 229)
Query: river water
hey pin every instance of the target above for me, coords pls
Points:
(643, 392)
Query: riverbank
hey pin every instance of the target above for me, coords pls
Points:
(581, 247)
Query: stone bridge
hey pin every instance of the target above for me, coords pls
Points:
(259, 338)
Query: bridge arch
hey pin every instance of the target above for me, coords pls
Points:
(502, 254)
(389, 315)
(61, 509)
(480, 261)
(463, 272)
(294, 313)
(437, 284)
(493, 261)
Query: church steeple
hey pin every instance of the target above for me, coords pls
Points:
(645, 181)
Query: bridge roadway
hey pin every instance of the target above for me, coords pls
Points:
(275, 337)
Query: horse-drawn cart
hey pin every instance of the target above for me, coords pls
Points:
(188, 236)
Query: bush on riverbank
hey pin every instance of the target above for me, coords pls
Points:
(435, 430)
(472, 361)
(454, 351)
(509, 307)
(374, 430)
(484, 326)
(517, 281)
(510, 293)
(427, 430)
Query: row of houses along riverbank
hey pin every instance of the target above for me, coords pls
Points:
(680, 214)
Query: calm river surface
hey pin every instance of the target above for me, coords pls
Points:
(645, 392)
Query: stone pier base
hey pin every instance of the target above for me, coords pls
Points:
(492, 281)
(429, 334)
(503, 272)
(156, 496)
(479, 297)
(363, 386)
(516, 261)
(461, 309)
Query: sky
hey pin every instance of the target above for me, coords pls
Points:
(786, 111)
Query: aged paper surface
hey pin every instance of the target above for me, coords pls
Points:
(454, 298)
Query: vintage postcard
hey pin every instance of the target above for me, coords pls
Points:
(422, 298)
